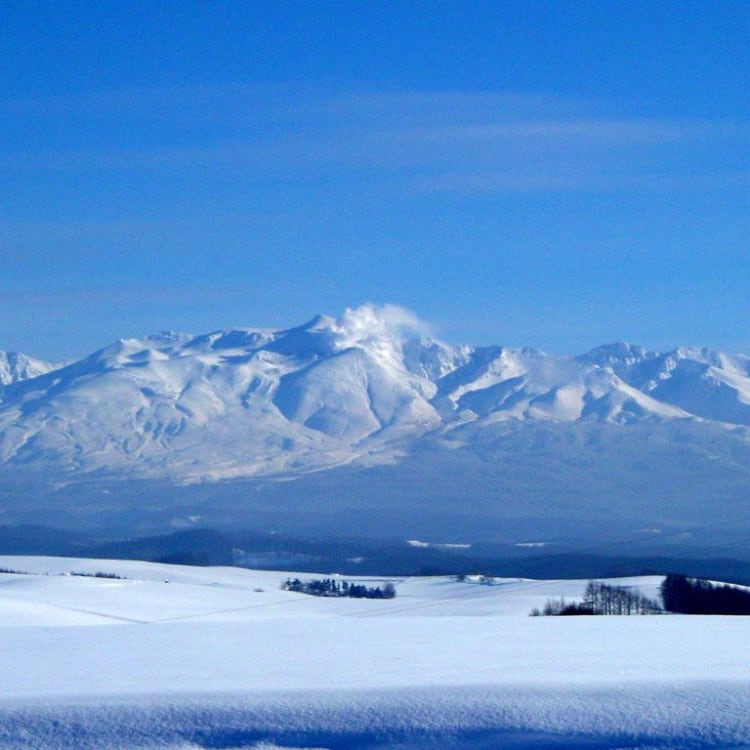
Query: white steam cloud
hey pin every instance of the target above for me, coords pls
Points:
(371, 322)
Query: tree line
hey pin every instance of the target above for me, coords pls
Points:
(602, 599)
(332, 587)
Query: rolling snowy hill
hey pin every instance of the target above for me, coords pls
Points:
(187, 658)
(516, 433)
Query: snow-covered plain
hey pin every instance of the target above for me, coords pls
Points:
(186, 658)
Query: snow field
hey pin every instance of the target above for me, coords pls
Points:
(176, 657)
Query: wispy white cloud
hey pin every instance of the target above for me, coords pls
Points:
(423, 141)
(591, 130)
(552, 179)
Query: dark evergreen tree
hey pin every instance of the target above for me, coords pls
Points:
(694, 596)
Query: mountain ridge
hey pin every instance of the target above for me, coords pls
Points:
(260, 402)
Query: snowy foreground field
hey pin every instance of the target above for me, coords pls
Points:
(186, 658)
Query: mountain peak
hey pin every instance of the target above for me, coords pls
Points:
(319, 322)
(15, 367)
(618, 352)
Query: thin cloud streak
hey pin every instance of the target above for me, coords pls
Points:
(436, 141)
(596, 132)
(572, 181)
(293, 100)
(45, 229)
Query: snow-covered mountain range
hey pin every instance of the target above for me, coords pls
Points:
(244, 402)
(368, 389)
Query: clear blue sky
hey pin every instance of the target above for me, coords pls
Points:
(550, 174)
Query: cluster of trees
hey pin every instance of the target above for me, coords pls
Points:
(680, 594)
(606, 599)
(693, 596)
(334, 588)
(602, 599)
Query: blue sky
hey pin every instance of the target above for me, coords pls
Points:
(548, 174)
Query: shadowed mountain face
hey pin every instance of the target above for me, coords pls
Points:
(370, 420)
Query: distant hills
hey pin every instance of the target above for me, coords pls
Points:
(352, 556)
(362, 420)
